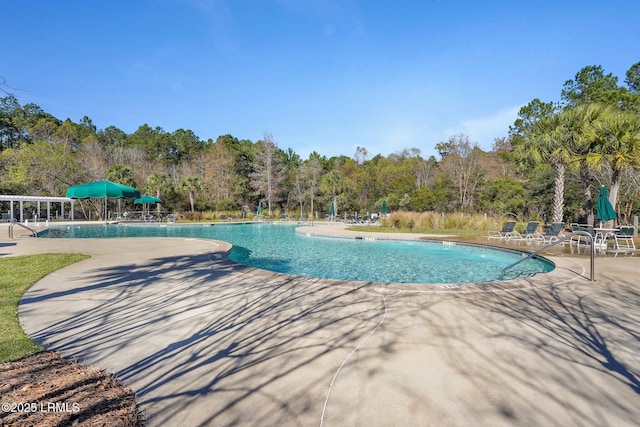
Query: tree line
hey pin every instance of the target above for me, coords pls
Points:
(549, 165)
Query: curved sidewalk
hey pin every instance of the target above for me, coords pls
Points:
(204, 341)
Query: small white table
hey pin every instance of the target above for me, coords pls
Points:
(603, 233)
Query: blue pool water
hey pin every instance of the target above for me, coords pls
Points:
(277, 247)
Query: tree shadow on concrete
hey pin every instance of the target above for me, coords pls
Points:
(259, 346)
(559, 354)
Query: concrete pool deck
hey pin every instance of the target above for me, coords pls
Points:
(204, 341)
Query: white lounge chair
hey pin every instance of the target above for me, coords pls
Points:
(505, 233)
(530, 232)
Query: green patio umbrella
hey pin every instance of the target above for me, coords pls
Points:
(102, 190)
(383, 209)
(332, 210)
(147, 200)
(604, 209)
(144, 200)
(259, 208)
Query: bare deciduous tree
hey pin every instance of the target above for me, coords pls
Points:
(461, 160)
(268, 171)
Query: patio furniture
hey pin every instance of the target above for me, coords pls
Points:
(553, 233)
(505, 233)
(581, 238)
(623, 237)
(530, 232)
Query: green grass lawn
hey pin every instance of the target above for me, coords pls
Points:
(17, 274)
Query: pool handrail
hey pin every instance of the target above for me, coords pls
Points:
(13, 224)
(569, 236)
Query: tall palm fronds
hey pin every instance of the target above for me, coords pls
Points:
(617, 144)
(546, 142)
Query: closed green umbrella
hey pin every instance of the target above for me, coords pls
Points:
(259, 208)
(604, 209)
(383, 209)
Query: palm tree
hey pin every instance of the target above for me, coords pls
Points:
(192, 183)
(156, 182)
(546, 142)
(333, 182)
(580, 122)
(616, 144)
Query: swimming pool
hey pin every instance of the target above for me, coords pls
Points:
(277, 247)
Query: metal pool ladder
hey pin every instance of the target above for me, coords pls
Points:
(592, 252)
(13, 224)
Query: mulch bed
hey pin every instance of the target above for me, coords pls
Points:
(46, 390)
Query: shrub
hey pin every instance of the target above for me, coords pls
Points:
(425, 221)
(192, 216)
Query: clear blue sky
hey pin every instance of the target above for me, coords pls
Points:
(323, 75)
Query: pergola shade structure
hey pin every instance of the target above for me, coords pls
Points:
(36, 211)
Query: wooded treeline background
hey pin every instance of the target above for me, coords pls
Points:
(548, 166)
